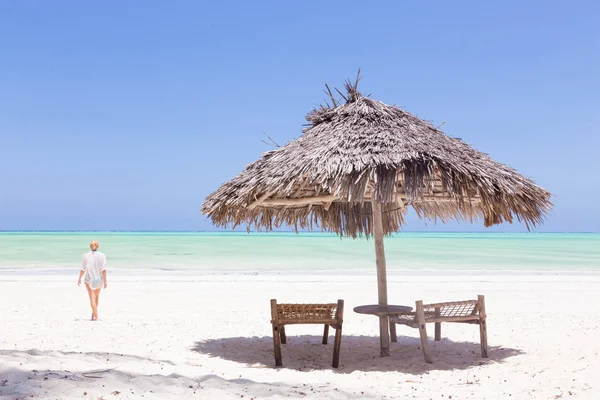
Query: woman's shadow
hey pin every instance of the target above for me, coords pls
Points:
(358, 353)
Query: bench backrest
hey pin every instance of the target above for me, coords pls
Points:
(466, 310)
(307, 313)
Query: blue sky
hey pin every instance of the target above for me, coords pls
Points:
(125, 115)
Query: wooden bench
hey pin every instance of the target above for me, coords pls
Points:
(469, 312)
(289, 314)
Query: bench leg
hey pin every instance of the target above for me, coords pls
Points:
(277, 346)
(423, 332)
(483, 338)
(325, 334)
(393, 336)
(282, 334)
(482, 326)
(425, 344)
(438, 325)
(336, 347)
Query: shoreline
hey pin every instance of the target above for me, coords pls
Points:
(152, 274)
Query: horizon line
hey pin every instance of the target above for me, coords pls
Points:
(262, 232)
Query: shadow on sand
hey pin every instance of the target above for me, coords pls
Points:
(358, 353)
(106, 380)
(59, 384)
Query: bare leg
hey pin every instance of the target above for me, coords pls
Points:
(97, 294)
(92, 296)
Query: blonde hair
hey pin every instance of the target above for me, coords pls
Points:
(94, 245)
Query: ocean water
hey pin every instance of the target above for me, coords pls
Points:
(281, 252)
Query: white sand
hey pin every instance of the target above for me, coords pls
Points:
(179, 337)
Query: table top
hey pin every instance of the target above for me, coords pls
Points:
(378, 310)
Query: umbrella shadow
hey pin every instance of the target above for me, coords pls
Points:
(358, 353)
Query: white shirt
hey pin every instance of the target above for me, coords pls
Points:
(93, 263)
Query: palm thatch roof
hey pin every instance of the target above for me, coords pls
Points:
(360, 150)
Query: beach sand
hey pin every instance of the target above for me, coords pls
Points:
(179, 336)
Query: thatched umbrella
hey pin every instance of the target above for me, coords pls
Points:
(356, 169)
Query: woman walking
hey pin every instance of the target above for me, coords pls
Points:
(93, 271)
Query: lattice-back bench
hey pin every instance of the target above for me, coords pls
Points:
(288, 314)
(468, 311)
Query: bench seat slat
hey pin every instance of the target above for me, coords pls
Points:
(304, 321)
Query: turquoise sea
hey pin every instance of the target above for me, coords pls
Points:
(290, 252)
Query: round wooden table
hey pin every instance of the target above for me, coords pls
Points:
(384, 311)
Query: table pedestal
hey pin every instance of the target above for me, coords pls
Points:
(384, 312)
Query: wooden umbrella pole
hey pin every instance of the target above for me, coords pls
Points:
(384, 330)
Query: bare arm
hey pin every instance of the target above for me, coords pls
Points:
(105, 281)
(82, 271)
